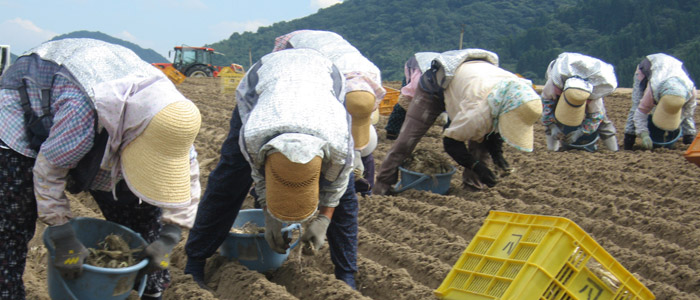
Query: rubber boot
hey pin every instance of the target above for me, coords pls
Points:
(611, 143)
(629, 141)
(552, 143)
(195, 268)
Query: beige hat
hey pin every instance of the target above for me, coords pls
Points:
(571, 107)
(156, 164)
(359, 105)
(516, 126)
(291, 188)
(667, 115)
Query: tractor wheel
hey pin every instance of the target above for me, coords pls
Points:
(199, 71)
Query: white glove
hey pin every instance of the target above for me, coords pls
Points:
(573, 136)
(315, 235)
(273, 234)
(647, 144)
(357, 166)
(556, 132)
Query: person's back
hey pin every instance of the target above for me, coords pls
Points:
(661, 80)
(585, 116)
(300, 103)
(290, 135)
(364, 91)
(95, 113)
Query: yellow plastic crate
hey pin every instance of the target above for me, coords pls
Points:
(229, 80)
(692, 154)
(173, 74)
(521, 256)
(386, 105)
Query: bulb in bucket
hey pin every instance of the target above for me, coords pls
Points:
(425, 170)
(96, 282)
(246, 242)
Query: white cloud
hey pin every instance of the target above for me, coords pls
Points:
(316, 4)
(145, 44)
(127, 36)
(22, 35)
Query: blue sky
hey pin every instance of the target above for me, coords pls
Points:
(154, 24)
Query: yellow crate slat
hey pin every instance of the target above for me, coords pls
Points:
(173, 74)
(229, 81)
(525, 256)
(386, 105)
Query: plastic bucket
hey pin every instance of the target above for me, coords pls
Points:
(585, 142)
(663, 138)
(437, 183)
(251, 249)
(95, 282)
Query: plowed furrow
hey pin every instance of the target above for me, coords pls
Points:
(425, 269)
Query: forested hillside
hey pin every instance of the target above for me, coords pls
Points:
(526, 34)
(620, 32)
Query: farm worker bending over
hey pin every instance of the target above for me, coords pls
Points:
(363, 87)
(573, 97)
(661, 82)
(85, 115)
(413, 69)
(486, 105)
(290, 134)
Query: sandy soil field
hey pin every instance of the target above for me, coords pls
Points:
(643, 207)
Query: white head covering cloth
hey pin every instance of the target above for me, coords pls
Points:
(125, 107)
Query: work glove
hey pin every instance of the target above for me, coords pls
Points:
(688, 139)
(486, 176)
(556, 132)
(494, 144)
(573, 136)
(358, 166)
(381, 189)
(158, 252)
(315, 235)
(70, 253)
(273, 234)
(646, 141)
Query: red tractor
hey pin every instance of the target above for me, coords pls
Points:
(196, 62)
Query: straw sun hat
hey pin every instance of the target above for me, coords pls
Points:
(516, 126)
(156, 164)
(667, 115)
(291, 188)
(359, 105)
(571, 107)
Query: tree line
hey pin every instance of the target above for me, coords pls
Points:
(526, 34)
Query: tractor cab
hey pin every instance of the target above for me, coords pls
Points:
(194, 61)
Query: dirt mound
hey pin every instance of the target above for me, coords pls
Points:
(641, 206)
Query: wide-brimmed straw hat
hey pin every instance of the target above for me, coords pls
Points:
(516, 126)
(571, 107)
(156, 164)
(667, 115)
(291, 188)
(360, 105)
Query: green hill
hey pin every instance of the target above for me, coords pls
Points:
(148, 55)
(527, 34)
